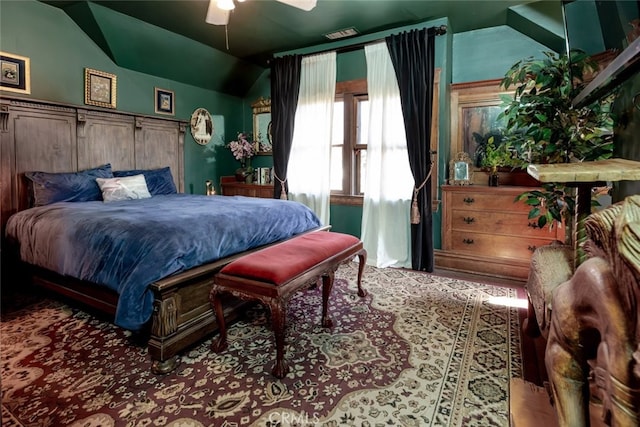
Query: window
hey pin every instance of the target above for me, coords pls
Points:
(349, 149)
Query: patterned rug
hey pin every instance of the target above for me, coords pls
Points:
(418, 350)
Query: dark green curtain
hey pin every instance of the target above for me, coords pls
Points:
(412, 54)
(285, 85)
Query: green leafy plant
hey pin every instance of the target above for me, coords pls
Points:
(543, 125)
(551, 205)
(498, 153)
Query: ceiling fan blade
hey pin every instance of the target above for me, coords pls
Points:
(215, 15)
(300, 4)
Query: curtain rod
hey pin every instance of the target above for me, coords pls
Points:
(439, 30)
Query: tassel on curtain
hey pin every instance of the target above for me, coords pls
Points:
(415, 212)
(283, 192)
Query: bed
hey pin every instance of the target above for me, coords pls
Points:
(166, 289)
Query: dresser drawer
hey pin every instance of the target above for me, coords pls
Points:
(516, 224)
(230, 187)
(488, 202)
(495, 245)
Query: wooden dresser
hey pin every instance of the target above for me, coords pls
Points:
(484, 231)
(231, 187)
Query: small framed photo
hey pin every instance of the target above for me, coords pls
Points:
(15, 73)
(165, 101)
(99, 88)
(460, 169)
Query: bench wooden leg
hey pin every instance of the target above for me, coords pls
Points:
(278, 320)
(362, 260)
(327, 286)
(219, 344)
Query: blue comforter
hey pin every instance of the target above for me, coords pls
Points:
(130, 244)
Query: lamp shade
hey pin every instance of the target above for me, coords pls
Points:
(226, 4)
(215, 15)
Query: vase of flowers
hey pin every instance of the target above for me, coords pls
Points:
(243, 149)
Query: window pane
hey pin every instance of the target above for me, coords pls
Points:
(336, 146)
(336, 168)
(362, 169)
(338, 123)
(363, 138)
(363, 121)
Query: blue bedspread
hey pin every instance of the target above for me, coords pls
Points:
(129, 244)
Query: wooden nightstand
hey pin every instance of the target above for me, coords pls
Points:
(231, 187)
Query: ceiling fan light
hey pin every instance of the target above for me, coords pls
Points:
(300, 4)
(226, 4)
(215, 15)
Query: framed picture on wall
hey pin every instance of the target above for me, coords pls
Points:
(164, 101)
(15, 73)
(99, 88)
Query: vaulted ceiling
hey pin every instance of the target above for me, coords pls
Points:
(259, 28)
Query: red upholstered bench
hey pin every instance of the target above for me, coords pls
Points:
(273, 274)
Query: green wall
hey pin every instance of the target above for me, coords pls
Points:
(488, 53)
(59, 51)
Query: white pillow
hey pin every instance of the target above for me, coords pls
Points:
(123, 188)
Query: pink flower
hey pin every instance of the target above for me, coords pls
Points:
(243, 147)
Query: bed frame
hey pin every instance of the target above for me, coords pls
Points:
(43, 136)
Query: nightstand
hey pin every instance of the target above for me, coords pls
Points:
(231, 187)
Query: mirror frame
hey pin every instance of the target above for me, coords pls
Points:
(461, 162)
(472, 104)
(262, 126)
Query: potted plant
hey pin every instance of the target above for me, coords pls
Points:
(494, 152)
(543, 126)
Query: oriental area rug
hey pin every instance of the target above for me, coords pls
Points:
(418, 350)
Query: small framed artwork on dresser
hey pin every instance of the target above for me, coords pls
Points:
(460, 169)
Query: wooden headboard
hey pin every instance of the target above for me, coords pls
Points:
(44, 136)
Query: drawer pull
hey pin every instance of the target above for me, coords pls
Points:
(468, 200)
(467, 241)
(532, 248)
(469, 219)
(533, 225)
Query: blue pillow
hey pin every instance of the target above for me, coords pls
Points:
(48, 187)
(159, 181)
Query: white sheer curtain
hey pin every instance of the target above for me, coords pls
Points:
(387, 194)
(309, 169)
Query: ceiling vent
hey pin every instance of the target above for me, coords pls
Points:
(340, 34)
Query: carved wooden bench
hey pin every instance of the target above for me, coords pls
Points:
(272, 275)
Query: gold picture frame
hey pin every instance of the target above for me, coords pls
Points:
(99, 88)
(164, 101)
(460, 169)
(15, 73)
(262, 126)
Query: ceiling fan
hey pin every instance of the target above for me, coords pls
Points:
(218, 12)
